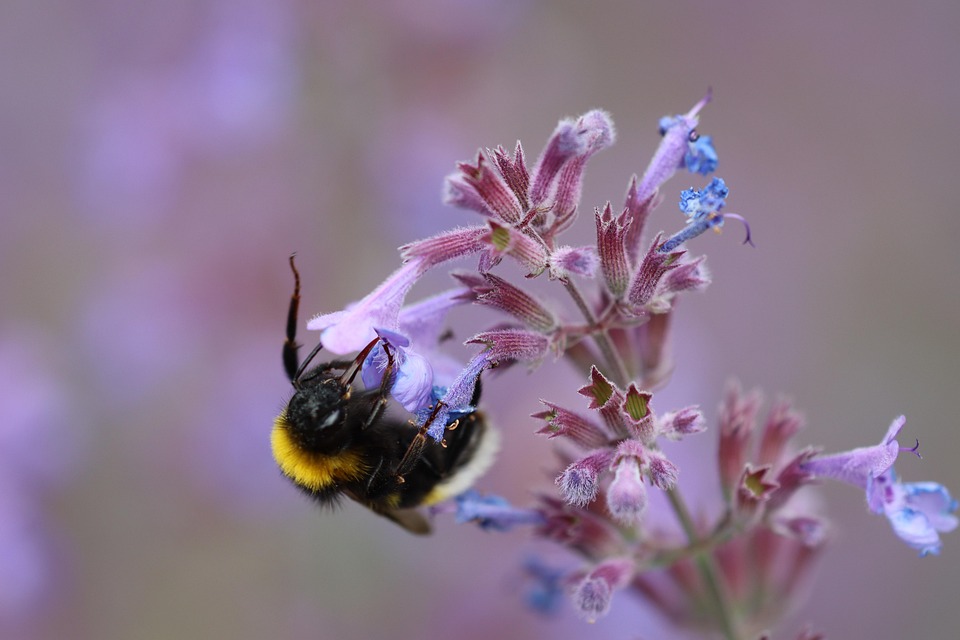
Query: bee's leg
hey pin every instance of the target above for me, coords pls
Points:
(374, 478)
(382, 397)
(415, 450)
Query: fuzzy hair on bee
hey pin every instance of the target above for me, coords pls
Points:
(333, 439)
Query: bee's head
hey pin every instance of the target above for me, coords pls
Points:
(316, 414)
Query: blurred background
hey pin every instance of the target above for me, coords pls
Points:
(160, 160)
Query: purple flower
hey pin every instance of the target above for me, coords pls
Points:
(413, 376)
(547, 589)
(703, 212)
(494, 512)
(701, 157)
(627, 495)
(918, 511)
(353, 328)
(673, 149)
(454, 399)
(858, 466)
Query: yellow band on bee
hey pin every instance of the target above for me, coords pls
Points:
(312, 471)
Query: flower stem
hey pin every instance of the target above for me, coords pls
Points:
(619, 370)
(709, 570)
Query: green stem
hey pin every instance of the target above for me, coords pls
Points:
(619, 370)
(707, 565)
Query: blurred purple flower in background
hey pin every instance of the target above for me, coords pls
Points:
(227, 92)
(42, 442)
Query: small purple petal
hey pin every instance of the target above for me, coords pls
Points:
(582, 261)
(353, 328)
(627, 495)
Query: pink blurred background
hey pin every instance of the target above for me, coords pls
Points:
(160, 160)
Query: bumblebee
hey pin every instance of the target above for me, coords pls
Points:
(333, 440)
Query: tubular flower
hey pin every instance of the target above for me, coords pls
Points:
(917, 511)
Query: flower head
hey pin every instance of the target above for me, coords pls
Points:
(918, 511)
(494, 512)
(677, 132)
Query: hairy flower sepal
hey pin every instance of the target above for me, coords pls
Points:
(573, 426)
(498, 199)
(505, 240)
(646, 281)
(918, 511)
(506, 345)
(753, 491)
(606, 398)
(573, 141)
(580, 482)
(612, 249)
(491, 290)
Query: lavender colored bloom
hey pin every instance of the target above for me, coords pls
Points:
(703, 212)
(701, 157)
(494, 512)
(918, 511)
(455, 398)
(412, 377)
(545, 593)
(709, 200)
(858, 466)
(627, 495)
(669, 157)
(353, 328)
